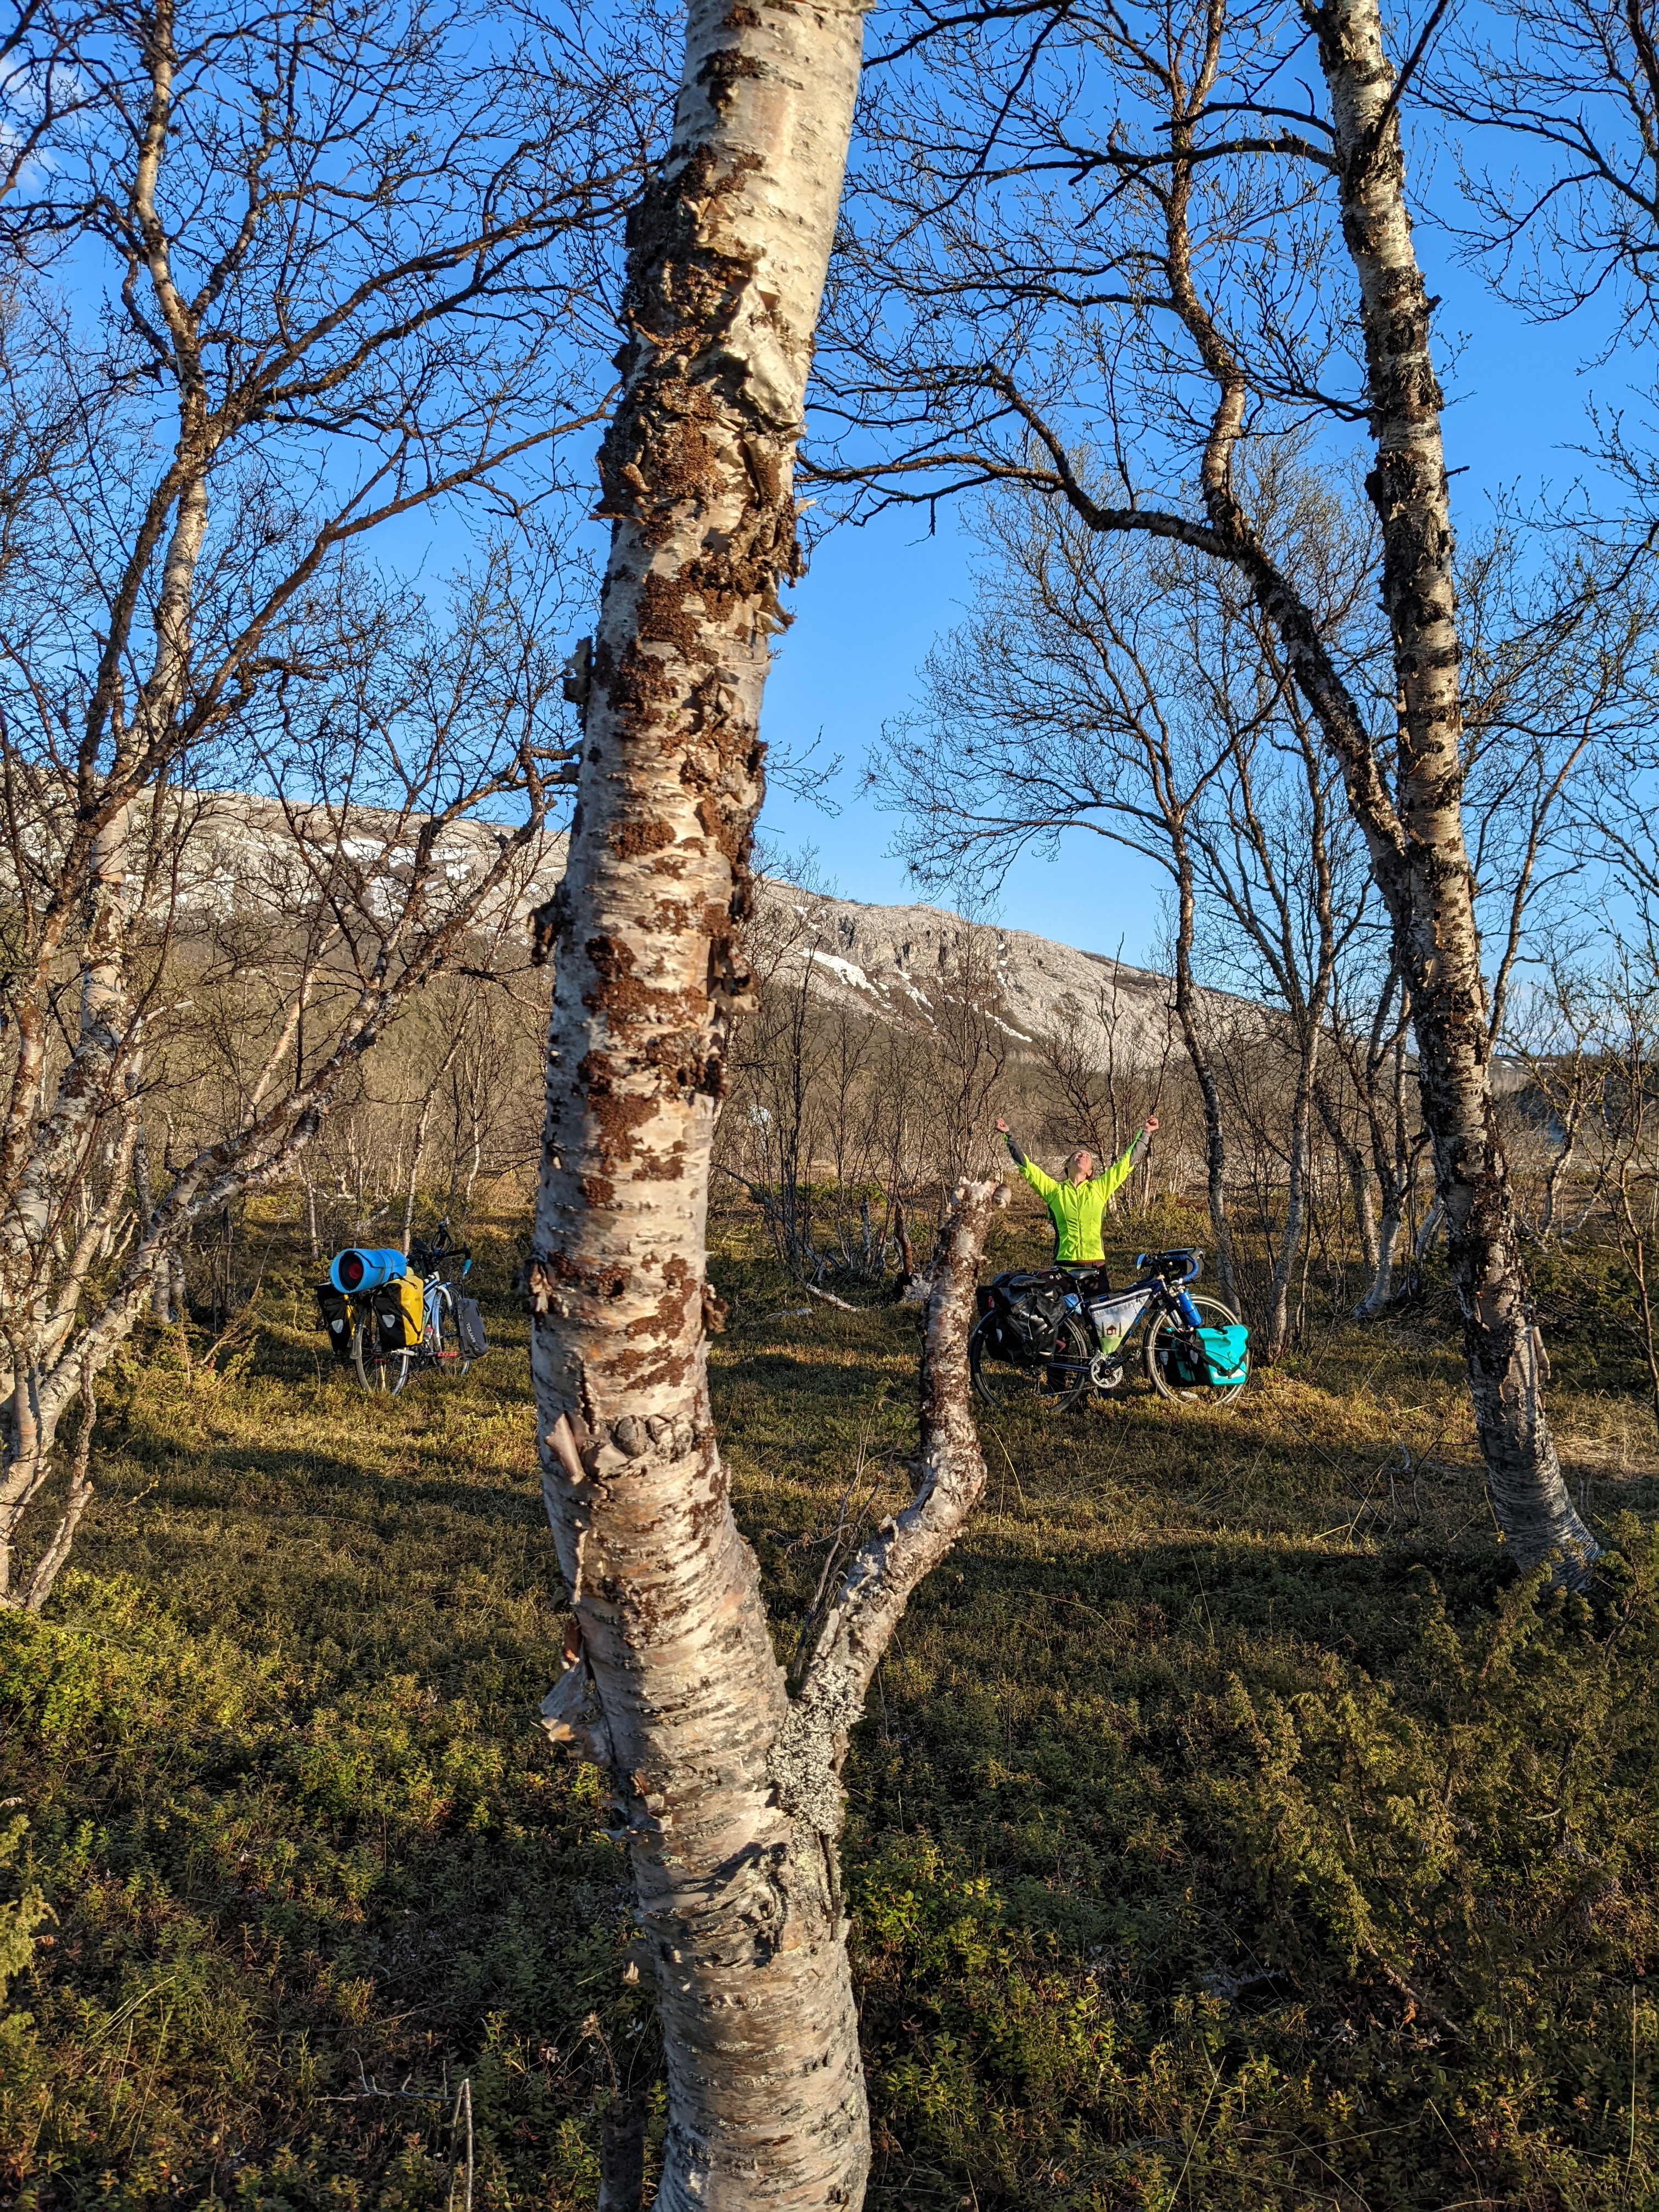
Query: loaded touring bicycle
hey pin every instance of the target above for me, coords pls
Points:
(390, 1317)
(1060, 1334)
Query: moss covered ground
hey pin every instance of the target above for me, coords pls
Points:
(1231, 1826)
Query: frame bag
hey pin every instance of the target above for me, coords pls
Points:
(469, 1328)
(1114, 1317)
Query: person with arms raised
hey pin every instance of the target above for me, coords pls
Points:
(1077, 1207)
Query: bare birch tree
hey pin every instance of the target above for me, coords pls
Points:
(1236, 261)
(726, 1794)
(320, 268)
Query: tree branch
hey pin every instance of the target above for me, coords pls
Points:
(807, 1758)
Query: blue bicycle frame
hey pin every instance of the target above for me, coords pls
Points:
(1113, 1315)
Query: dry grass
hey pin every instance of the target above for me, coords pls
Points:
(1230, 1827)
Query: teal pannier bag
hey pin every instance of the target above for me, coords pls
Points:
(1226, 1354)
(1183, 1365)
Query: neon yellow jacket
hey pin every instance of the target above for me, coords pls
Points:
(1079, 1208)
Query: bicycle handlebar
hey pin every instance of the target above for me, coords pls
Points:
(1151, 1262)
(425, 1257)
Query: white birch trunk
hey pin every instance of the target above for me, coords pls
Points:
(735, 1874)
(1423, 871)
(1379, 1295)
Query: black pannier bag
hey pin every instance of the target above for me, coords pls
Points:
(334, 1311)
(390, 1324)
(469, 1328)
(1029, 1310)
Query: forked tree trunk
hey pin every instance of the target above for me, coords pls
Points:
(1379, 1294)
(1423, 867)
(726, 1792)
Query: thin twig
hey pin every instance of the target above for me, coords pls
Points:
(463, 2109)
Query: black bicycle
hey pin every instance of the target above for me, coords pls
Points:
(1055, 1333)
(384, 1369)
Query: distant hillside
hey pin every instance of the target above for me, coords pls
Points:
(886, 958)
(243, 853)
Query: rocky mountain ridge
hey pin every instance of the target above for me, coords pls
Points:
(898, 960)
(247, 854)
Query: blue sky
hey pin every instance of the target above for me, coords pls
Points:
(876, 598)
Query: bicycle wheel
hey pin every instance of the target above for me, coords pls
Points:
(440, 1340)
(384, 1373)
(1057, 1383)
(1161, 1341)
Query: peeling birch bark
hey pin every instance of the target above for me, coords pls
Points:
(728, 1794)
(728, 1797)
(738, 1894)
(1422, 863)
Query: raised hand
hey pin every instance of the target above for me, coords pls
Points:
(1002, 1126)
(1151, 1123)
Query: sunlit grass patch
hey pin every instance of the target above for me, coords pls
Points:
(1230, 1826)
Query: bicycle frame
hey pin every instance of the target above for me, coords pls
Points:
(1153, 1292)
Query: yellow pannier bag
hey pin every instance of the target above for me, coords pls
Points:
(411, 1293)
